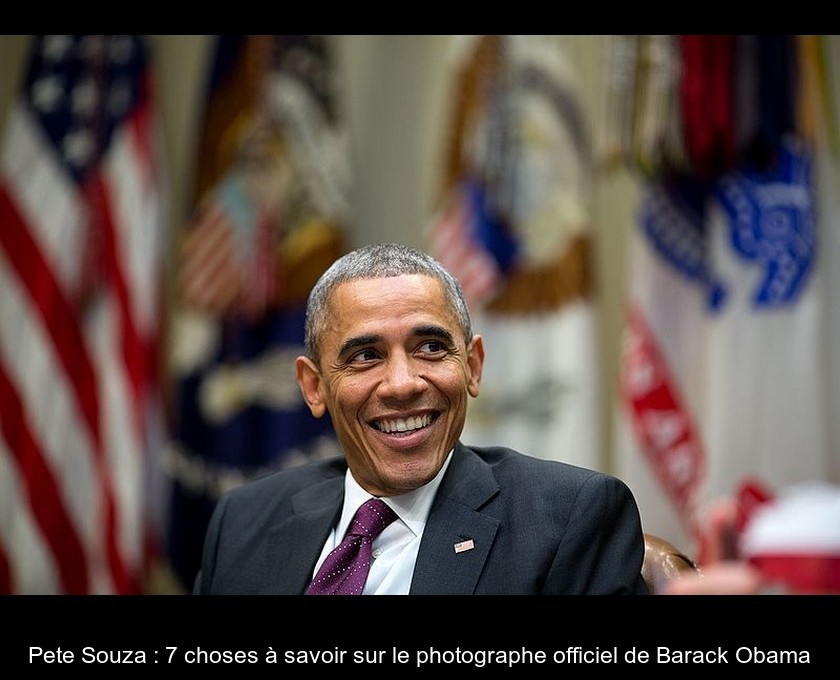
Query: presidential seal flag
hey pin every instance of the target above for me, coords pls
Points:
(271, 204)
(80, 271)
(514, 226)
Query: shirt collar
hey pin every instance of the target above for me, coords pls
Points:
(411, 507)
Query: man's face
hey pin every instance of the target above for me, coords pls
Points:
(394, 375)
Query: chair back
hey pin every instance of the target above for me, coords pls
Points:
(663, 562)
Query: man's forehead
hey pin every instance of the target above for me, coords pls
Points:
(403, 287)
(418, 278)
(399, 299)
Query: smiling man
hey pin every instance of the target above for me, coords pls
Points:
(392, 359)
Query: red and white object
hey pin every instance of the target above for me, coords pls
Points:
(794, 539)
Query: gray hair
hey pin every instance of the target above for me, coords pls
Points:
(380, 260)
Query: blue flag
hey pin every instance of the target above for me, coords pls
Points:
(270, 212)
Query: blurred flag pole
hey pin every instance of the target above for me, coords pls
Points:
(80, 271)
(514, 225)
(270, 212)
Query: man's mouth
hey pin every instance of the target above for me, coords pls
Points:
(410, 424)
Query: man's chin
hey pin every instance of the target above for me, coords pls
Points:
(408, 476)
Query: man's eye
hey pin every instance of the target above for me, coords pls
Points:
(432, 347)
(363, 356)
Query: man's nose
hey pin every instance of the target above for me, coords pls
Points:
(402, 378)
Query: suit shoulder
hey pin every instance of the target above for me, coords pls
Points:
(292, 478)
(510, 462)
(502, 456)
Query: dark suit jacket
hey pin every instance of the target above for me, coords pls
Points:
(539, 527)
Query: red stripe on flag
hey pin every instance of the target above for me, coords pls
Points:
(61, 321)
(45, 500)
(57, 313)
(131, 345)
(453, 245)
(259, 291)
(209, 276)
(140, 125)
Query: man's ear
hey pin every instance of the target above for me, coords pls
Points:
(475, 362)
(309, 380)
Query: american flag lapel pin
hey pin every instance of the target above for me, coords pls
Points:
(463, 546)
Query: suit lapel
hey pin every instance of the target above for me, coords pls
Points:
(457, 537)
(294, 544)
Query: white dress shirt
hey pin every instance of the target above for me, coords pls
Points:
(395, 549)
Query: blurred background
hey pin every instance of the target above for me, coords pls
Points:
(647, 228)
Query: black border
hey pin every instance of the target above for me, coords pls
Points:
(216, 628)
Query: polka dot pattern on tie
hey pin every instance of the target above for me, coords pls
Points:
(345, 569)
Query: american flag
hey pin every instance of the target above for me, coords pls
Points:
(80, 237)
(454, 241)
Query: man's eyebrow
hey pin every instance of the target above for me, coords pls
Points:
(359, 341)
(430, 330)
(434, 331)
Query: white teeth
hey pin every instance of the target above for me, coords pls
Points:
(404, 424)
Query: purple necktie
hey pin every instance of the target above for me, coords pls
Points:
(345, 570)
